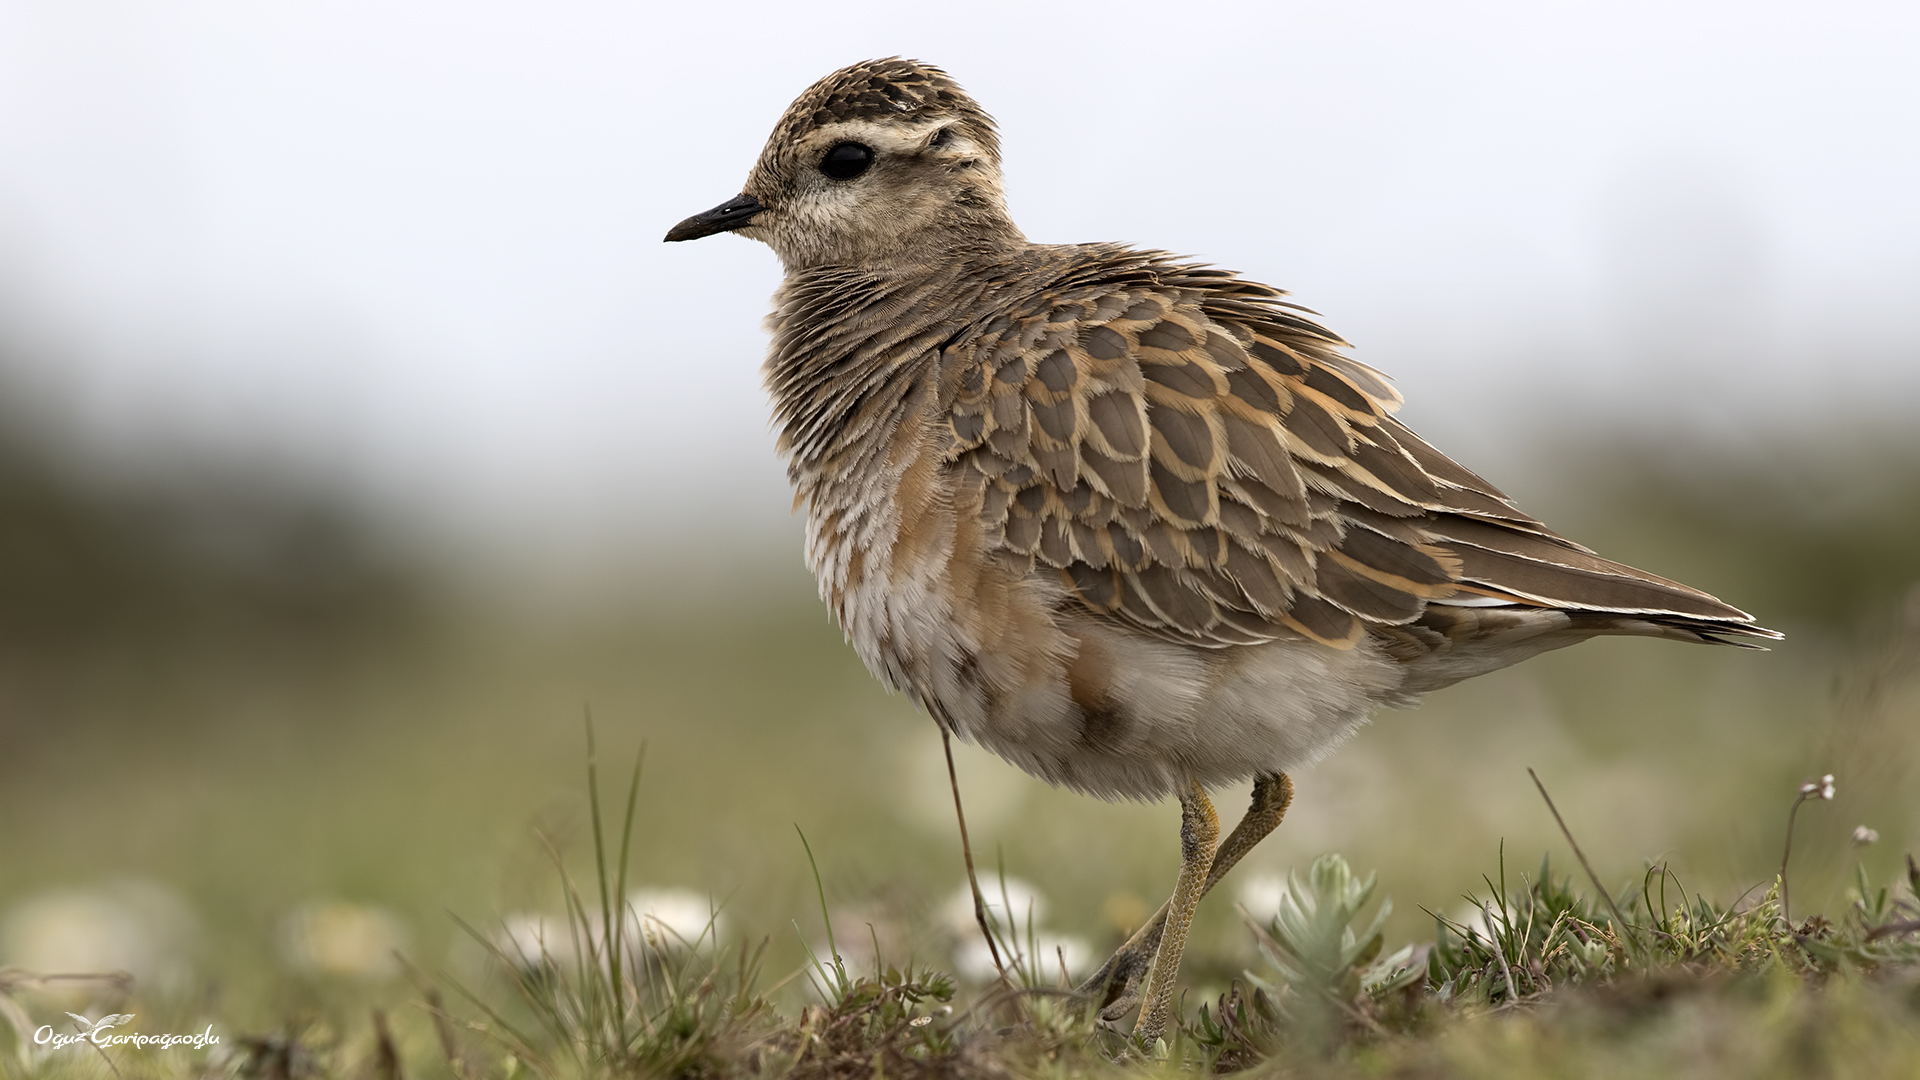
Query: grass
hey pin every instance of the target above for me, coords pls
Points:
(1547, 976)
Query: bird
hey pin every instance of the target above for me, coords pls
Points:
(1138, 525)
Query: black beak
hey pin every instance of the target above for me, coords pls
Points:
(726, 217)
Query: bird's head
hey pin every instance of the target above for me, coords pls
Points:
(887, 161)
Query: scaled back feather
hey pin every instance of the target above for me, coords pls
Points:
(1193, 455)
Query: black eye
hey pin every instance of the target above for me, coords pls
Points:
(846, 161)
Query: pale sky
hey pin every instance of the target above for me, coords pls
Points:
(418, 243)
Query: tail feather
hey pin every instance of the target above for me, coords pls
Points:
(1674, 628)
(1500, 564)
(1543, 569)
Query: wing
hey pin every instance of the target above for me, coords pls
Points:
(1193, 455)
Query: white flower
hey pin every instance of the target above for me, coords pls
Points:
(1822, 787)
(671, 918)
(658, 920)
(334, 937)
(1015, 909)
(129, 925)
(1011, 904)
(1261, 894)
(973, 960)
(526, 937)
(1864, 836)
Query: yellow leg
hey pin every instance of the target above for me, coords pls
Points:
(1199, 837)
(1117, 984)
(1272, 794)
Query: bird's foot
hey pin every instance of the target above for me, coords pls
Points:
(1115, 988)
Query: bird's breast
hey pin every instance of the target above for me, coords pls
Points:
(900, 555)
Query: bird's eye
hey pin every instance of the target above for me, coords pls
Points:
(847, 160)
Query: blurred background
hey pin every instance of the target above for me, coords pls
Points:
(358, 435)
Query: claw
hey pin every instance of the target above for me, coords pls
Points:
(1121, 1007)
(1116, 986)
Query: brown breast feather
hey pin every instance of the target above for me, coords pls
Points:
(1194, 457)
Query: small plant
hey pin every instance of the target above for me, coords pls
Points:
(1525, 942)
(613, 1001)
(1812, 789)
(1331, 975)
(889, 1022)
(866, 1020)
(1313, 944)
(1545, 935)
(1882, 928)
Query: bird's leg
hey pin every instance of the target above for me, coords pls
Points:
(1272, 794)
(1117, 984)
(1199, 839)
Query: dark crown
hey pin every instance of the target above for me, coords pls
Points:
(893, 87)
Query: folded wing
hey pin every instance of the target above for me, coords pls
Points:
(1193, 455)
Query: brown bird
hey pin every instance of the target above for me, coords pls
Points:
(1135, 524)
